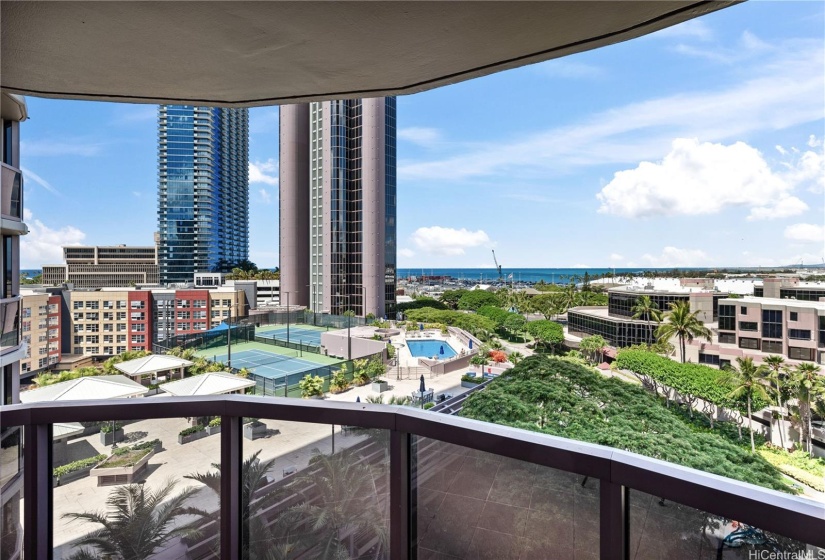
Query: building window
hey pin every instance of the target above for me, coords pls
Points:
(771, 323)
(121, 338)
(108, 316)
(121, 304)
(108, 305)
(711, 359)
(138, 316)
(121, 327)
(91, 305)
(138, 338)
(121, 315)
(750, 343)
(108, 339)
(794, 316)
(92, 316)
(121, 349)
(141, 327)
(92, 328)
(748, 326)
(107, 350)
(184, 303)
(795, 353)
(8, 370)
(743, 310)
(78, 339)
(138, 304)
(8, 267)
(799, 334)
(183, 315)
(108, 327)
(727, 338)
(77, 305)
(92, 339)
(727, 318)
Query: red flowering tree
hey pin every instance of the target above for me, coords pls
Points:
(498, 356)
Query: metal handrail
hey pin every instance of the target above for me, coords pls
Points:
(618, 471)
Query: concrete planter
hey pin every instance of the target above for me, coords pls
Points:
(192, 437)
(469, 384)
(254, 430)
(212, 430)
(380, 386)
(72, 476)
(107, 476)
(106, 438)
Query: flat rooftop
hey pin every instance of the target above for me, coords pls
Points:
(795, 303)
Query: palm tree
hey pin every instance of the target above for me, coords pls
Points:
(341, 501)
(259, 538)
(684, 324)
(777, 375)
(748, 379)
(648, 309)
(808, 387)
(139, 522)
(567, 297)
(515, 357)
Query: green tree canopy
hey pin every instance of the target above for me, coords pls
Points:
(474, 300)
(450, 298)
(546, 332)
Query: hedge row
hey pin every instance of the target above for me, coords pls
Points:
(77, 465)
(691, 380)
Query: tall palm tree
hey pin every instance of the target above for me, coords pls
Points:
(747, 379)
(684, 324)
(808, 387)
(775, 363)
(647, 309)
(341, 502)
(567, 297)
(260, 541)
(138, 522)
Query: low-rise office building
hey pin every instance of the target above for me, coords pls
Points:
(790, 288)
(117, 266)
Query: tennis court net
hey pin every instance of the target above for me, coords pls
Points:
(251, 362)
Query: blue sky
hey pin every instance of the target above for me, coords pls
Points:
(701, 145)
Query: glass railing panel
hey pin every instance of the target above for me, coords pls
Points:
(143, 466)
(9, 323)
(11, 493)
(315, 491)
(476, 505)
(664, 529)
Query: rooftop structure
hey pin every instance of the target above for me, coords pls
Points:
(211, 383)
(149, 368)
(84, 389)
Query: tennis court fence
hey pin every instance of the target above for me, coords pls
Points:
(287, 386)
(300, 345)
(304, 316)
(205, 340)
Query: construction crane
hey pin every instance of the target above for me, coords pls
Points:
(498, 266)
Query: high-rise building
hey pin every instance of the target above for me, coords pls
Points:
(99, 267)
(203, 190)
(338, 205)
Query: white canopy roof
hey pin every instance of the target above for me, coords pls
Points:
(151, 364)
(244, 53)
(213, 383)
(85, 388)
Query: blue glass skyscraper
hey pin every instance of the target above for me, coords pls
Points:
(203, 190)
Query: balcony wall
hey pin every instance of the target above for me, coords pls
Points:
(420, 484)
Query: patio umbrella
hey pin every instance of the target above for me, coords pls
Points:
(421, 387)
(471, 344)
(441, 350)
(357, 399)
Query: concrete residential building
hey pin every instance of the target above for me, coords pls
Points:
(40, 326)
(203, 190)
(790, 288)
(759, 326)
(117, 266)
(338, 205)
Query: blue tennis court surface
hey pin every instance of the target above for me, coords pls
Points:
(267, 364)
(296, 334)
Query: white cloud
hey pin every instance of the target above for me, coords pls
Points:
(448, 241)
(265, 196)
(77, 147)
(781, 150)
(700, 178)
(30, 175)
(806, 233)
(748, 47)
(43, 245)
(615, 257)
(264, 172)
(814, 142)
(406, 253)
(675, 257)
(419, 135)
(781, 91)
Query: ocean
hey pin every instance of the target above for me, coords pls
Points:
(549, 275)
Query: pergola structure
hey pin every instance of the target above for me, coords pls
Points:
(210, 383)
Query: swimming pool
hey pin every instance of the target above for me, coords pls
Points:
(430, 348)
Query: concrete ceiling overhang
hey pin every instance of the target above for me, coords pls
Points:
(240, 53)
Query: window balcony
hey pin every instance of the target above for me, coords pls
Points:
(9, 324)
(11, 205)
(406, 483)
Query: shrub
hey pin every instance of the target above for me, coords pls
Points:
(339, 381)
(429, 405)
(192, 430)
(77, 465)
(311, 386)
(107, 427)
(473, 378)
(215, 422)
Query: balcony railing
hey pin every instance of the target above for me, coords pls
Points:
(441, 485)
(9, 323)
(11, 203)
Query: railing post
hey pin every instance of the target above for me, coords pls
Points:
(402, 516)
(37, 491)
(614, 509)
(231, 530)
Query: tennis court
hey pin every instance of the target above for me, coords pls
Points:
(267, 364)
(297, 333)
